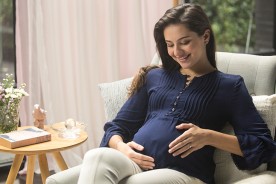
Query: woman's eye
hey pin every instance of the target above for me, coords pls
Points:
(185, 42)
(169, 45)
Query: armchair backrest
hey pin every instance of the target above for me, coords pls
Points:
(259, 72)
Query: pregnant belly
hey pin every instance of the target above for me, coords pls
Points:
(155, 136)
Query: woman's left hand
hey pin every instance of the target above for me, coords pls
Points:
(191, 140)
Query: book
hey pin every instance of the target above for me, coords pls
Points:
(28, 136)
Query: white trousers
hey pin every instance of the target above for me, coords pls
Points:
(109, 166)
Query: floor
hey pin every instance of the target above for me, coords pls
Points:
(4, 171)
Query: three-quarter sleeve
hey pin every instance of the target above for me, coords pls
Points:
(252, 132)
(129, 119)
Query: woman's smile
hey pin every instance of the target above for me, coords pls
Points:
(183, 58)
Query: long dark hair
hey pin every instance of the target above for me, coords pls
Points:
(191, 16)
(139, 79)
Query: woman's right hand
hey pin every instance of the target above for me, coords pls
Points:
(144, 161)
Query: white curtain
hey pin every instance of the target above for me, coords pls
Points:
(66, 47)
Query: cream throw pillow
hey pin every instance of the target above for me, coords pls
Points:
(115, 94)
(266, 105)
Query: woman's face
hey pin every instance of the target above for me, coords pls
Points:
(186, 47)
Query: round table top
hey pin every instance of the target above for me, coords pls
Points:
(56, 143)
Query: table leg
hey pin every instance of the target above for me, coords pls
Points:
(43, 165)
(30, 169)
(14, 169)
(60, 161)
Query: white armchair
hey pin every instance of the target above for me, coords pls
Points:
(259, 73)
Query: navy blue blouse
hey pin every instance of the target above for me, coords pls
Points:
(149, 118)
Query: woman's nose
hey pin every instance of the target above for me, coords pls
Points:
(177, 51)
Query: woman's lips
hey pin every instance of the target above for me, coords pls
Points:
(184, 58)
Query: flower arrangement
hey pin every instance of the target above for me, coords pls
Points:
(10, 98)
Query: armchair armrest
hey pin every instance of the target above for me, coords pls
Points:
(70, 175)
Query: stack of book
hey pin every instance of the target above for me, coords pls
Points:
(28, 136)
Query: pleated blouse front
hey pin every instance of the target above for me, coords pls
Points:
(149, 118)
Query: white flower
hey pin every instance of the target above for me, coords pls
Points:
(22, 92)
(11, 94)
(9, 90)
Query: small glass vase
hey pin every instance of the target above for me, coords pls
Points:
(9, 120)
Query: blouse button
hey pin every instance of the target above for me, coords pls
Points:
(174, 103)
(173, 109)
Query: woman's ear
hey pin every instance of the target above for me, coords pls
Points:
(206, 36)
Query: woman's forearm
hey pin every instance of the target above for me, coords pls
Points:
(224, 142)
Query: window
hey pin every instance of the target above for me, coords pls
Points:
(265, 17)
(246, 26)
(7, 38)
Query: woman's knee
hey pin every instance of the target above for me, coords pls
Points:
(107, 165)
(103, 155)
(97, 153)
(93, 153)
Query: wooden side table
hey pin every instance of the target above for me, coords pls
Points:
(54, 147)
